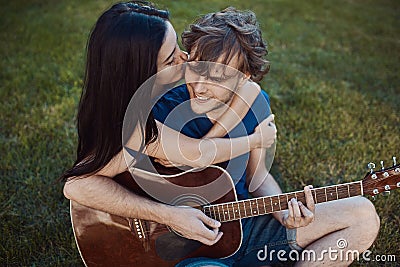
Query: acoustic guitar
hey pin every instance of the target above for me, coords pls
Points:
(108, 240)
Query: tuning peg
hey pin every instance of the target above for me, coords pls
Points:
(394, 161)
(374, 198)
(371, 167)
(385, 174)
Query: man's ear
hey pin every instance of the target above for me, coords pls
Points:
(244, 79)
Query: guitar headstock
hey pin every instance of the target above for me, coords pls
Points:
(384, 180)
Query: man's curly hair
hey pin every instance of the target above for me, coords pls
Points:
(228, 33)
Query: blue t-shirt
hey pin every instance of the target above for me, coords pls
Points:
(173, 109)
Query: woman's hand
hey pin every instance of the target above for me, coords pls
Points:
(242, 101)
(266, 132)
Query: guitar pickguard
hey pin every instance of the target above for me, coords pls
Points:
(171, 246)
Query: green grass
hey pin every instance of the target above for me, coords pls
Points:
(334, 87)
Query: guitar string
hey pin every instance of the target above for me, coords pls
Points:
(342, 190)
(320, 195)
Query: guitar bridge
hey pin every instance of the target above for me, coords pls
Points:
(139, 230)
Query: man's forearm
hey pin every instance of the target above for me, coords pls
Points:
(102, 193)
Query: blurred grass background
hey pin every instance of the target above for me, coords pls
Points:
(334, 86)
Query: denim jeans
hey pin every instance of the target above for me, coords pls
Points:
(263, 238)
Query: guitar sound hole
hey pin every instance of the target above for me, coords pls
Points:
(188, 200)
(173, 246)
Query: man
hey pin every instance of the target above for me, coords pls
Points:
(233, 38)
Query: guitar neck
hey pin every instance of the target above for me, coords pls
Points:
(263, 205)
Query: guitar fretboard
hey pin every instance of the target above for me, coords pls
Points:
(263, 205)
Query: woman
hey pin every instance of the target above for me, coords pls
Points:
(130, 43)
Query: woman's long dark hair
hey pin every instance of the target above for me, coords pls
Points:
(122, 54)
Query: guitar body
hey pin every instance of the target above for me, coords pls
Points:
(108, 240)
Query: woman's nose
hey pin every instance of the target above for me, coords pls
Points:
(182, 57)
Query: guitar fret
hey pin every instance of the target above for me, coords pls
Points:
(233, 210)
(326, 197)
(244, 207)
(227, 212)
(250, 211)
(205, 211)
(315, 196)
(351, 189)
(223, 211)
(282, 199)
(251, 208)
(337, 195)
(265, 209)
(275, 202)
(253, 211)
(219, 213)
(272, 206)
(348, 190)
(238, 206)
(258, 210)
(344, 191)
(331, 190)
(357, 188)
(360, 189)
(279, 199)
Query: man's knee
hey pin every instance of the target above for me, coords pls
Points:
(369, 213)
(365, 217)
(364, 210)
(360, 213)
